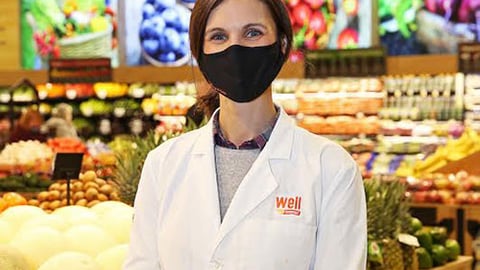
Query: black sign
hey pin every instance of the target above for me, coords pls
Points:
(469, 57)
(347, 62)
(67, 165)
(84, 70)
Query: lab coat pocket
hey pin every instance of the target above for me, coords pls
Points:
(274, 244)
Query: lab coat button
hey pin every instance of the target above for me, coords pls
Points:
(216, 265)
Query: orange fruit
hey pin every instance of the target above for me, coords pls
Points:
(3, 205)
(13, 198)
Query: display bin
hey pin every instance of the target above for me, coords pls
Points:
(445, 215)
(471, 227)
(463, 263)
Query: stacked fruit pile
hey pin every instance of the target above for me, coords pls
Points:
(460, 188)
(435, 249)
(71, 237)
(87, 191)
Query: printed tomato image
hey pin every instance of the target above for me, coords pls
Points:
(348, 39)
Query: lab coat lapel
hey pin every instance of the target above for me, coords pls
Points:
(259, 182)
(205, 173)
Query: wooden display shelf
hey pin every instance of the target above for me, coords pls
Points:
(462, 263)
(468, 164)
(471, 224)
(396, 65)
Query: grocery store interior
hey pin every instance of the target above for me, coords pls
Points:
(396, 83)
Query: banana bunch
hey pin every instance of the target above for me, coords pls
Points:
(453, 150)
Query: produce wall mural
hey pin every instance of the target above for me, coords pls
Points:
(427, 26)
(157, 30)
(67, 29)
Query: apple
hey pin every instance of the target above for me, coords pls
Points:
(433, 196)
(462, 197)
(314, 4)
(445, 196)
(419, 196)
(301, 14)
(466, 185)
(317, 23)
(441, 183)
(293, 3)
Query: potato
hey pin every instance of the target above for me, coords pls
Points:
(45, 205)
(82, 202)
(78, 195)
(89, 176)
(114, 196)
(33, 202)
(77, 186)
(106, 189)
(55, 204)
(88, 185)
(64, 202)
(63, 195)
(42, 196)
(100, 182)
(53, 195)
(92, 203)
(102, 197)
(91, 194)
(63, 187)
(54, 186)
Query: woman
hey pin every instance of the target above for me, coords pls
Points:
(249, 190)
(60, 124)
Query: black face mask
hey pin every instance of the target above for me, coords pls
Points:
(241, 73)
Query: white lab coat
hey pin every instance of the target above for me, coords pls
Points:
(300, 206)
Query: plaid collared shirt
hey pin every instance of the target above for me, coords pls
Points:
(258, 142)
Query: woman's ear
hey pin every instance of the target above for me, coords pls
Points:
(283, 44)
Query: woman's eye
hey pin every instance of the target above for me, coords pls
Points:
(218, 37)
(252, 33)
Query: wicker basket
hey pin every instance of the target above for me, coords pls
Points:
(91, 45)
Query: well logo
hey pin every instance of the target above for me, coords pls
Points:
(288, 205)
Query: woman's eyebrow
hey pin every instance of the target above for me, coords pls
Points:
(215, 29)
(254, 25)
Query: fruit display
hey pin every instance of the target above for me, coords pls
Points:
(453, 150)
(10, 199)
(387, 217)
(164, 32)
(66, 145)
(94, 107)
(322, 24)
(340, 124)
(459, 188)
(435, 248)
(25, 156)
(110, 90)
(71, 237)
(87, 191)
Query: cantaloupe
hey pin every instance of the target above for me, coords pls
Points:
(118, 222)
(112, 258)
(88, 239)
(51, 221)
(17, 215)
(12, 259)
(39, 244)
(6, 232)
(70, 261)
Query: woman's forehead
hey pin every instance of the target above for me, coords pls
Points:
(238, 13)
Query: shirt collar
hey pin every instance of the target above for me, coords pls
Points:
(258, 142)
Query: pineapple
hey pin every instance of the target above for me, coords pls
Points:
(386, 208)
(130, 162)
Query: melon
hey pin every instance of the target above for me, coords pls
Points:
(50, 221)
(112, 258)
(105, 207)
(118, 223)
(88, 239)
(39, 244)
(12, 259)
(76, 215)
(17, 215)
(6, 232)
(70, 260)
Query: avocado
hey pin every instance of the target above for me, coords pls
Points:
(453, 249)
(439, 255)
(439, 235)
(425, 239)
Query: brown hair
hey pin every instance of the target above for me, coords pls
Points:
(198, 22)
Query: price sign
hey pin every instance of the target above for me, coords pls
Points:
(80, 70)
(469, 57)
(347, 62)
(67, 166)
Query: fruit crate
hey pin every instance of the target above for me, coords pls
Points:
(471, 227)
(462, 263)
